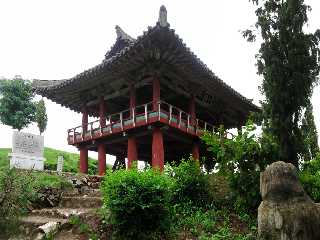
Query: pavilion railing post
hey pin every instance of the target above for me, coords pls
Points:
(134, 117)
(205, 126)
(83, 131)
(146, 112)
(91, 130)
(110, 124)
(74, 135)
(196, 126)
(180, 113)
(121, 120)
(170, 114)
(159, 110)
(188, 122)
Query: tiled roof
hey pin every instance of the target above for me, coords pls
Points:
(120, 52)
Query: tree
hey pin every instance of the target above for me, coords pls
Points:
(16, 107)
(288, 60)
(309, 134)
(41, 116)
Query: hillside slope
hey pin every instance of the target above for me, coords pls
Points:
(71, 160)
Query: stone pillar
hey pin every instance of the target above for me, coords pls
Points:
(83, 165)
(101, 159)
(132, 153)
(157, 149)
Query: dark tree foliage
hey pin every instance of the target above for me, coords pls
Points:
(41, 116)
(309, 134)
(288, 60)
(16, 107)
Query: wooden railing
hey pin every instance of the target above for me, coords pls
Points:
(140, 115)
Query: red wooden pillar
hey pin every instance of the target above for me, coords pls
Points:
(102, 112)
(157, 149)
(101, 146)
(132, 153)
(83, 160)
(195, 150)
(101, 159)
(84, 119)
(155, 92)
(83, 165)
(192, 112)
(157, 137)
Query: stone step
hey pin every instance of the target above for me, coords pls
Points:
(80, 202)
(93, 192)
(37, 221)
(32, 227)
(62, 213)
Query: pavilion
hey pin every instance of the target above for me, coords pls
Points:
(153, 99)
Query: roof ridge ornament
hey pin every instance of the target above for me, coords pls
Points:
(162, 21)
(122, 35)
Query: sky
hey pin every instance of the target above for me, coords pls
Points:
(53, 40)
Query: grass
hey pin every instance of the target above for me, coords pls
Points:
(71, 160)
(43, 180)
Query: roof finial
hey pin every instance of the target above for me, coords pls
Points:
(163, 17)
(122, 35)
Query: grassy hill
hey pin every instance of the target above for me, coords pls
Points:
(71, 160)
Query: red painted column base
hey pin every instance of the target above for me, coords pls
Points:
(83, 166)
(157, 149)
(101, 159)
(132, 153)
(195, 151)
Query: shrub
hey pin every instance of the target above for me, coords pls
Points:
(16, 190)
(138, 203)
(190, 185)
(240, 159)
(310, 178)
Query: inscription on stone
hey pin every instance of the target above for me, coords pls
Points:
(27, 151)
(27, 144)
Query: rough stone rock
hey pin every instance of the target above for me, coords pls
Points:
(286, 211)
(47, 197)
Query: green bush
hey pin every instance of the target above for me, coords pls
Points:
(16, 191)
(310, 178)
(138, 203)
(240, 159)
(190, 185)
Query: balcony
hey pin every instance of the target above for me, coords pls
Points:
(139, 116)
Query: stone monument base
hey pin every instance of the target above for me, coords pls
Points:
(26, 162)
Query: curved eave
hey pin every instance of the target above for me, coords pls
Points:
(122, 56)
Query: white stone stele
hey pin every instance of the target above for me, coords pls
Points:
(60, 164)
(27, 151)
